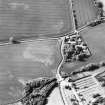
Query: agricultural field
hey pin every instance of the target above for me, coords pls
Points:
(34, 18)
(26, 61)
(84, 11)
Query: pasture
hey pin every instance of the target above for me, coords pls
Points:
(34, 18)
(26, 61)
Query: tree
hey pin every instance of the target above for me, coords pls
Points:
(103, 84)
(96, 95)
(68, 87)
(100, 5)
(102, 63)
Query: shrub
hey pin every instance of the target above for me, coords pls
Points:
(96, 95)
(102, 63)
(103, 85)
(100, 5)
(81, 57)
(92, 67)
(64, 74)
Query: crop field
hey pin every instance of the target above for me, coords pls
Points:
(95, 39)
(27, 18)
(19, 63)
(85, 11)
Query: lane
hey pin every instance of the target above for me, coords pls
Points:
(23, 62)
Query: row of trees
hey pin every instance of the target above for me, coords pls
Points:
(75, 19)
(97, 22)
(99, 101)
(37, 92)
(89, 67)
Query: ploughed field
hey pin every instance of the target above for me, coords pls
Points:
(85, 11)
(38, 18)
(95, 39)
(26, 61)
